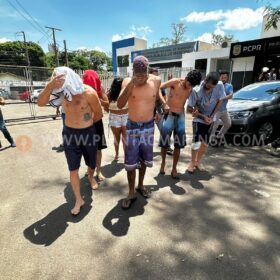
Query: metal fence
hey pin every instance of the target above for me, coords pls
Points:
(19, 83)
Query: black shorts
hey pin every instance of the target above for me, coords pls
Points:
(78, 143)
(201, 132)
(100, 136)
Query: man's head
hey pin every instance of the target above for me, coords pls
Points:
(140, 70)
(91, 78)
(211, 80)
(192, 79)
(223, 76)
(170, 76)
(153, 71)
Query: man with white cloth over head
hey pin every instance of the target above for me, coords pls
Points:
(82, 109)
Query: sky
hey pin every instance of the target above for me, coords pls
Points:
(94, 24)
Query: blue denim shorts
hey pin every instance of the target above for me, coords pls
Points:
(173, 122)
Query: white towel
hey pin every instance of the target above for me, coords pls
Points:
(73, 85)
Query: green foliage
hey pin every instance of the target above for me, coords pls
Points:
(273, 17)
(13, 53)
(82, 59)
(218, 40)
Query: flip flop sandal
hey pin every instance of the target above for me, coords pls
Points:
(127, 202)
(144, 192)
(176, 177)
(190, 171)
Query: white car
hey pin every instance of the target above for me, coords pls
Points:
(35, 94)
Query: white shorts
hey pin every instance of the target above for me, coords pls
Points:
(117, 120)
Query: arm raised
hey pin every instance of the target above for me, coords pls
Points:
(127, 86)
(55, 82)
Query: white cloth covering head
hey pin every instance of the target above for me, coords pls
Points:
(73, 85)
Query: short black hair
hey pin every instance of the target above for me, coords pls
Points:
(223, 72)
(213, 78)
(194, 77)
(152, 70)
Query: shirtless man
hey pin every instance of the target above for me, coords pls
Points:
(79, 132)
(141, 93)
(174, 119)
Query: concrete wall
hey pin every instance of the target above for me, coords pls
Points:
(211, 56)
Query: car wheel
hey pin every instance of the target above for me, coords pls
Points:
(266, 130)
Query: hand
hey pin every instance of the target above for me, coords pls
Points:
(195, 113)
(157, 118)
(208, 120)
(166, 108)
(56, 81)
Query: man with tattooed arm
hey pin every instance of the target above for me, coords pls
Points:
(82, 109)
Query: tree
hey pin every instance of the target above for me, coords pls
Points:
(218, 39)
(178, 32)
(13, 53)
(100, 61)
(273, 17)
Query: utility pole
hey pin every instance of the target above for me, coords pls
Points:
(54, 42)
(26, 48)
(66, 54)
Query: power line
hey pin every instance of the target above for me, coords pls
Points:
(26, 18)
(34, 20)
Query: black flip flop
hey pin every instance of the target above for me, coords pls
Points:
(175, 177)
(129, 202)
(144, 192)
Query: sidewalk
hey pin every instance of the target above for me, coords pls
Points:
(218, 225)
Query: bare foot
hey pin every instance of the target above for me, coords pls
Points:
(144, 191)
(199, 166)
(190, 168)
(174, 174)
(77, 208)
(94, 185)
(116, 158)
(100, 177)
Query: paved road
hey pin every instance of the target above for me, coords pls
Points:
(223, 224)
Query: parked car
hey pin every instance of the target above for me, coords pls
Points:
(255, 110)
(4, 93)
(24, 96)
(35, 94)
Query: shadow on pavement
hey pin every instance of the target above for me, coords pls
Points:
(111, 169)
(5, 148)
(167, 181)
(117, 220)
(51, 227)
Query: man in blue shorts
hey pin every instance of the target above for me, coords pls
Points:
(141, 93)
(174, 118)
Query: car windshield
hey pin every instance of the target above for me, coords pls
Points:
(258, 92)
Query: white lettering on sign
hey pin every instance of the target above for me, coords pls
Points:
(252, 48)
